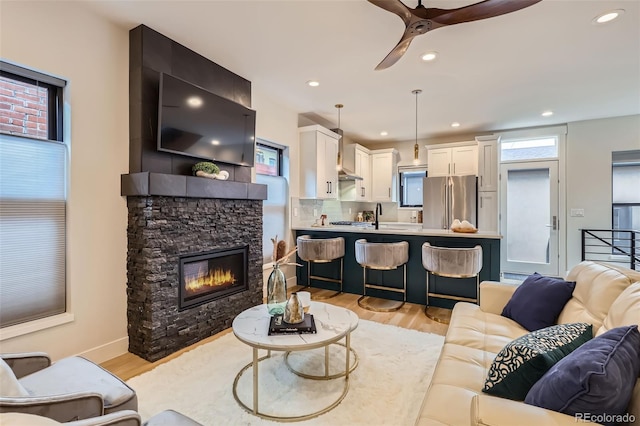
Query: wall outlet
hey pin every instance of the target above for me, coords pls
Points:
(315, 212)
(577, 213)
(349, 210)
(295, 212)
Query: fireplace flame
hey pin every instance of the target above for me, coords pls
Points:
(215, 278)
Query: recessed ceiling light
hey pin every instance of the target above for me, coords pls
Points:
(429, 56)
(215, 142)
(383, 133)
(194, 101)
(313, 83)
(455, 124)
(608, 16)
(547, 113)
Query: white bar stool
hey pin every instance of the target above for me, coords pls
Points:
(383, 257)
(452, 263)
(321, 250)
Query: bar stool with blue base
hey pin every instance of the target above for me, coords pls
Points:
(452, 263)
(383, 257)
(321, 250)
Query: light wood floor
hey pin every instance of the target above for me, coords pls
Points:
(409, 316)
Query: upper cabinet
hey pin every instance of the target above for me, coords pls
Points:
(318, 160)
(487, 163)
(363, 169)
(357, 159)
(383, 175)
(454, 161)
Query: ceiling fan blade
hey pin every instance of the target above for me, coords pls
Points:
(394, 6)
(473, 12)
(397, 52)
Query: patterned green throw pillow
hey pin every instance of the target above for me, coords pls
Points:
(521, 363)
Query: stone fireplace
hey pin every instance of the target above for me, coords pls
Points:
(200, 230)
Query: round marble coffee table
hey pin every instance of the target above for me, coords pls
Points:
(333, 324)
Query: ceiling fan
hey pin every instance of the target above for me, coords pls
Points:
(421, 20)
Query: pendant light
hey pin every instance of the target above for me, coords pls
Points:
(416, 148)
(340, 141)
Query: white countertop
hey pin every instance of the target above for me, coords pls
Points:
(389, 230)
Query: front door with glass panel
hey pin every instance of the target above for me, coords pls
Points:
(529, 212)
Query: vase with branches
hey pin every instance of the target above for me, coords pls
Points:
(277, 282)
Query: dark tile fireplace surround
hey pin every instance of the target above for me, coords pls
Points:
(175, 218)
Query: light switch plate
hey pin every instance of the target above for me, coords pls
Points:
(577, 213)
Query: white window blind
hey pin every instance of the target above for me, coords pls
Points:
(32, 229)
(274, 212)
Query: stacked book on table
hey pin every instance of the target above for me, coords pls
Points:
(277, 325)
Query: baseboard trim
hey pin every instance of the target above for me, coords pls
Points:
(107, 351)
(292, 281)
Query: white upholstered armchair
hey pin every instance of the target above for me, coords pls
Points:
(71, 389)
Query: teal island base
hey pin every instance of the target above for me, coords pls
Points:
(416, 274)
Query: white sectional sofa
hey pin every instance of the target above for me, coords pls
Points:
(477, 333)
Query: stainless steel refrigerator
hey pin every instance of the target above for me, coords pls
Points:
(448, 198)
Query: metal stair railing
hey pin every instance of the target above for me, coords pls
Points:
(617, 246)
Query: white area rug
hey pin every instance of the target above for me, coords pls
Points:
(387, 387)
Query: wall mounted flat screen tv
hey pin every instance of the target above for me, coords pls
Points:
(200, 124)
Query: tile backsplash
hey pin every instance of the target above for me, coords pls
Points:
(309, 210)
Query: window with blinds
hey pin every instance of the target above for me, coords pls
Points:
(33, 192)
(274, 208)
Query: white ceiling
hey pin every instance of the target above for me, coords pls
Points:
(494, 74)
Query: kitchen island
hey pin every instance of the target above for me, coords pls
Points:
(416, 274)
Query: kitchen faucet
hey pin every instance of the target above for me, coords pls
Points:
(378, 208)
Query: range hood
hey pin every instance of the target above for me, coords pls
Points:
(343, 173)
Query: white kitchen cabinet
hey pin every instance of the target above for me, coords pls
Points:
(383, 175)
(487, 163)
(439, 162)
(488, 211)
(318, 160)
(453, 161)
(356, 158)
(464, 160)
(363, 169)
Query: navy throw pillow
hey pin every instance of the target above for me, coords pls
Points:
(597, 378)
(538, 301)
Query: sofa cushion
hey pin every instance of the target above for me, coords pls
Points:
(458, 377)
(470, 326)
(625, 310)
(597, 286)
(538, 301)
(76, 374)
(524, 361)
(597, 378)
(9, 384)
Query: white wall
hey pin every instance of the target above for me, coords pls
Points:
(92, 55)
(589, 147)
(278, 123)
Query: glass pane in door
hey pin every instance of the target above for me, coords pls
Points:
(528, 205)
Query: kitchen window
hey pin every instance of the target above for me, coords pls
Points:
(33, 193)
(411, 179)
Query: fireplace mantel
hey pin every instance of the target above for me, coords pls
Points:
(161, 184)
